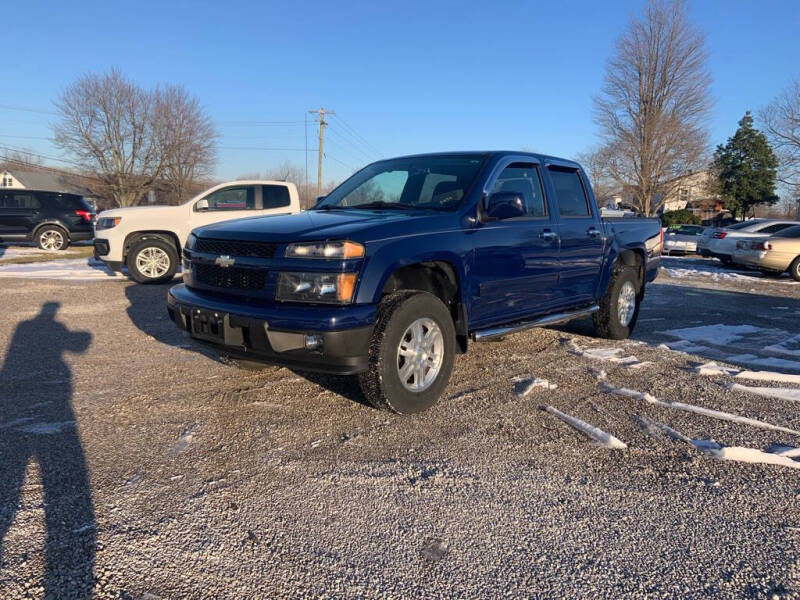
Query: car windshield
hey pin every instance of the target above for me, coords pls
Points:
(790, 232)
(421, 182)
(688, 230)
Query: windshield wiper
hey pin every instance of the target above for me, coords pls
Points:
(382, 204)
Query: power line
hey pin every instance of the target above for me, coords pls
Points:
(356, 150)
(27, 109)
(359, 136)
(265, 148)
(333, 158)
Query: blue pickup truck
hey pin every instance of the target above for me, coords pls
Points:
(404, 264)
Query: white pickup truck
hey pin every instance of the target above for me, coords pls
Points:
(148, 239)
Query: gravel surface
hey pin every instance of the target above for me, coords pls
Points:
(134, 465)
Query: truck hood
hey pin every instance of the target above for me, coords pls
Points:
(136, 210)
(318, 225)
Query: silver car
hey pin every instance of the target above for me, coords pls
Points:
(721, 243)
(682, 239)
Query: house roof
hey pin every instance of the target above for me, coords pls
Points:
(50, 182)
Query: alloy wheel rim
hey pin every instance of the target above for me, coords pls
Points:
(626, 303)
(420, 355)
(152, 262)
(51, 240)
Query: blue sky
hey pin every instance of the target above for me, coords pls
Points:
(405, 77)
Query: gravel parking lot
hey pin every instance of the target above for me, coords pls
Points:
(137, 466)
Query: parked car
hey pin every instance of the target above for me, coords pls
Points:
(148, 239)
(721, 243)
(50, 219)
(682, 239)
(392, 273)
(775, 254)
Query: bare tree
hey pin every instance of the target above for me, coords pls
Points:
(107, 123)
(595, 163)
(654, 103)
(187, 140)
(781, 124)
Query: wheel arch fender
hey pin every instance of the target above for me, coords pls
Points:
(137, 236)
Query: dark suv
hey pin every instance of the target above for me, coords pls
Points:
(51, 219)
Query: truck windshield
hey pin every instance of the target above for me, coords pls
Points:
(420, 182)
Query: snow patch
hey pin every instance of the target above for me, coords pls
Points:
(792, 394)
(718, 335)
(607, 355)
(524, 386)
(78, 269)
(713, 369)
(183, 442)
(46, 428)
(684, 346)
(598, 435)
(775, 363)
(708, 412)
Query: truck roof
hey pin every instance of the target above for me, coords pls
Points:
(543, 158)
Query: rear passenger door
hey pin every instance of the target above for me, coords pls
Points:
(581, 233)
(515, 269)
(18, 212)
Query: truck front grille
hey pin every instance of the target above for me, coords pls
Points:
(235, 278)
(236, 248)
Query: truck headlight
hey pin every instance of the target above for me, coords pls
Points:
(107, 222)
(328, 288)
(343, 249)
(191, 241)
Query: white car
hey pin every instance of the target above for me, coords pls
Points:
(682, 239)
(721, 243)
(148, 239)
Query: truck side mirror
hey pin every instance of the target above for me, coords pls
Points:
(201, 205)
(318, 200)
(505, 205)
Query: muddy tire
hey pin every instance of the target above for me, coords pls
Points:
(619, 307)
(152, 261)
(411, 353)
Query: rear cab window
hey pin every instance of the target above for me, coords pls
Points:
(274, 196)
(571, 196)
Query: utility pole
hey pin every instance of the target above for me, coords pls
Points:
(322, 123)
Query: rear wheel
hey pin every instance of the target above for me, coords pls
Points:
(619, 307)
(726, 260)
(411, 353)
(794, 269)
(52, 237)
(152, 261)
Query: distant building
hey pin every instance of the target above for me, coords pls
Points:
(695, 192)
(48, 181)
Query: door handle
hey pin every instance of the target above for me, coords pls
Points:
(548, 236)
(593, 232)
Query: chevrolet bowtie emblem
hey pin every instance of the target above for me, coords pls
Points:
(224, 260)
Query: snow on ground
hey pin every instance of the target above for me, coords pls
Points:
(31, 251)
(792, 394)
(607, 354)
(683, 268)
(740, 344)
(75, 269)
(708, 412)
(525, 385)
(598, 435)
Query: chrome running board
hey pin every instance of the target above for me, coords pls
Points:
(554, 319)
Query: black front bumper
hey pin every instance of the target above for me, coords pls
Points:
(342, 352)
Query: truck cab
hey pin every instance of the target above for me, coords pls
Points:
(408, 261)
(148, 239)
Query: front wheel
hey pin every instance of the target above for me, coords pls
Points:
(619, 306)
(411, 353)
(152, 261)
(52, 237)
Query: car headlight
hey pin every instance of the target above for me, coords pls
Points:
(343, 249)
(107, 222)
(191, 241)
(328, 288)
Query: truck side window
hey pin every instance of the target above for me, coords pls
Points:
(570, 195)
(232, 198)
(524, 180)
(274, 196)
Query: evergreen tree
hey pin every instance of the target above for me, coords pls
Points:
(747, 169)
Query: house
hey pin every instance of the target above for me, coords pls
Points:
(695, 192)
(49, 181)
